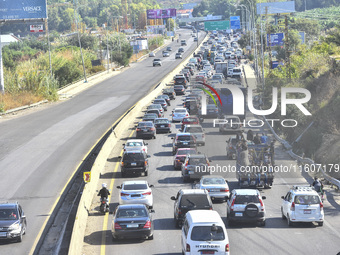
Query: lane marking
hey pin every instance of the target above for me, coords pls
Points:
(106, 217)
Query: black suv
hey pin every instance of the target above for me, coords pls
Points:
(134, 161)
(12, 221)
(190, 199)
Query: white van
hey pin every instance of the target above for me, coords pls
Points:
(204, 232)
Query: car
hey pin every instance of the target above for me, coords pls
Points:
(135, 192)
(170, 93)
(230, 124)
(132, 221)
(183, 140)
(181, 155)
(163, 125)
(230, 72)
(179, 114)
(200, 79)
(302, 204)
(165, 97)
(195, 39)
(194, 61)
(189, 121)
(183, 42)
(152, 54)
(156, 106)
(216, 185)
(135, 144)
(212, 111)
(180, 80)
(146, 129)
(237, 73)
(180, 50)
(186, 74)
(218, 77)
(197, 131)
(178, 55)
(157, 62)
(134, 161)
(13, 223)
(231, 148)
(192, 106)
(168, 48)
(155, 111)
(179, 90)
(162, 102)
(191, 70)
(246, 205)
(166, 54)
(190, 199)
(150, 117)
(195, 166)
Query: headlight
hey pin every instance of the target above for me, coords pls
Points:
(14, 226)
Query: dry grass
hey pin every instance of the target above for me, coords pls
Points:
(9, 101)
(134, 56)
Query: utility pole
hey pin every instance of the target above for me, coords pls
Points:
(2, 85)
(288, 74)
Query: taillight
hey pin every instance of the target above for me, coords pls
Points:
(123, 194)
(117, 226)
(202, 135)
(152, 129)
(230, 147)
(292, 208)
(173, 115)
(187, 115)
(187, 249)
(146, 193)
(138, 129)
(232, 205)
(147, 224)
(321, 206)
(179, 211)
(159, 115)
(145, 163)
(122, 163)
(224, 190)
(261, 202)
(169, 125)
(227, 247)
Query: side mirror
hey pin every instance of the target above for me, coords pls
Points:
(119, 187)
(173, 198)
(149, 156)
(282, 197)
(23, 216)
(151, 186)
(152, 211)
(172, 138)
(264, 197)
(123, 144)
(119, 157)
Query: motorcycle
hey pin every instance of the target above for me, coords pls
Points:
(104, 205)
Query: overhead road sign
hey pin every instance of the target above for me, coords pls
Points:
(275, 8)
(275, 39)
(235, 22)
(216, 25)
(22, 10)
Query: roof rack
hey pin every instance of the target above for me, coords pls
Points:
(303, 187)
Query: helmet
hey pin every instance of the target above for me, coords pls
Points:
(104, 185)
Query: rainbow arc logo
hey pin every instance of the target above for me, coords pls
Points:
(204, 101)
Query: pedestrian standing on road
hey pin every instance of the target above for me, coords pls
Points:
(256, 139)
(264, 138)
(250, 135)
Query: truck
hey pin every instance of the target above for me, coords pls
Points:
(260, 172)
(221, 67)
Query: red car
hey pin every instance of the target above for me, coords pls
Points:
(181, 155)
(189, 121)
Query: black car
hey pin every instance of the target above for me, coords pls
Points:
(146, 129)
(179, 90)
(132, 221)
(134, 161)
(162, 102)
(150, 117)
(165, 97)
(169, 48)
(156, 111)
(183, 140)
(180, 80)
(190, 199)
(181, 50)
(12, 222)
(170, 93)
(212, 111)
(163, 125)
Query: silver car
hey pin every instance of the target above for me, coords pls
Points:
(197, 131)
(136, 192)
(216, 185)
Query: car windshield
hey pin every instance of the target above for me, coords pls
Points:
(131, 144)
(195, 201)
(237, 70)
(184, 138)
(197, 161)
(207, 181)
(194, 130)
(135, 186)
(150, 115)
(133, 156)
(131, 213)
(180, 111)
(307, 199)
(8, 214)
(154, 106)
(159, 101)
(207, 233)
(245, 199)
(161, 121)
(145, 124)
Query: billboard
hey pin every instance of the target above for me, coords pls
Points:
(275, 8)
(216, 25)
(275, 39)
(161, 14)
(36, 28)
(22, 9)
(235, 22)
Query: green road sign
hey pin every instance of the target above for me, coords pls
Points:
(216, 25)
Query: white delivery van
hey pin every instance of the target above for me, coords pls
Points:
(204, 232)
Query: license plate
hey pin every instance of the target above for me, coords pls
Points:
(191, 172)
(185, 143)
(3, 234)
(207, 252)
(136, 195)
(214, 190)
(162, 126)
(132, 225)
(238, 214)
(144, 130)
(133, 164)
(307, 211)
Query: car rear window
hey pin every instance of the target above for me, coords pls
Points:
(179, 78)
(186, 152)
(190, 120)
(131, 213)
(180, 111)
(307, 199)
(156, 59)
(161, 121)
(150, 115)
(195, 201)
(207, 181)
(207, 233)
(154, 106)
(133, 156)
(184, 138)
(237, 70)
(194, 130)
(159, 101)
(178, 86)
(197, 161)
(145, 124)
(245, 199)
(134, 144)
(135, 186)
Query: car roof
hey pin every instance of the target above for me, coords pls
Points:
(162, 119)
(205, 216)
(8, 205)
(134, 151)
(245, 192)
(145, 122)
(193, 125)
(134, 140)
(197, 156)
(131, 206)
(135, 182)
(183, 134)
(303, 190)
(180, 108)
(212, 176)
(193, 191)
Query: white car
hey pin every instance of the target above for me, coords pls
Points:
(216, 185)
(136, 192)
(302, 204)
(135, 144)
(178, 114)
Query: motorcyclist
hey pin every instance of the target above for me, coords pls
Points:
(317, 185)
(104, 192)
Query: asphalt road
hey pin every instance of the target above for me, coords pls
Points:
(275, 238)
(40, 151)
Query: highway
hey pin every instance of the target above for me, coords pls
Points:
(275, 238)
(40, 151)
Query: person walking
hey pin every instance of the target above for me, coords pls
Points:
(264, 138)
(256, 139)
(250, 135)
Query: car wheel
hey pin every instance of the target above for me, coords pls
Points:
(150, 237)
(19, 238)
(178, 225)
(114, 239)
(146, 173)
(282, 215)
(154, 137)
(262, 223)
(320, 224)
(289, 221)
(123, 174)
